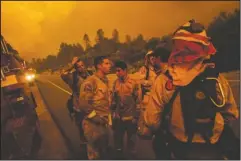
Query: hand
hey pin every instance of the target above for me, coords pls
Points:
(144, 133)
(74, 60)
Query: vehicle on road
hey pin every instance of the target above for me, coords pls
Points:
(20, 135)
(30, 75)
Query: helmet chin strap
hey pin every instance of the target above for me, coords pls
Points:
(222, 93)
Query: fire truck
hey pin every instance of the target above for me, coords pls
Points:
(20, 134)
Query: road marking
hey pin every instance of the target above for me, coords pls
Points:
(60, 88)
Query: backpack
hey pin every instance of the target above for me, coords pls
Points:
(197, 105)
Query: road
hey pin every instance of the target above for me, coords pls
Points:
(55, 100)
(55, 94)
(52, 145)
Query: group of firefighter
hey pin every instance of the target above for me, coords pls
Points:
(180, 102)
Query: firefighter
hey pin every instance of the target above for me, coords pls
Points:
(148, 75)
(161, 55)
(126, 101)
(95, 101)
(155, 64)
(74, 77)
(193, 103)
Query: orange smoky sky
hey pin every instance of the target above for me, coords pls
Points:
(36, 29)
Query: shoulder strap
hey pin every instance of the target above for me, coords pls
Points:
(147, 73)
(167, 111)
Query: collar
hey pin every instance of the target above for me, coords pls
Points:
(104, 79)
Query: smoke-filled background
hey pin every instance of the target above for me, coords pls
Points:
(36, 29)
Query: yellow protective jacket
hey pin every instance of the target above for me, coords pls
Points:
(96, 93)
(126, 98)
(147, 84)
(160, 96)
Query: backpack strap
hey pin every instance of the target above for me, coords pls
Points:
(167, 112)
(147, 72)
(168, 107)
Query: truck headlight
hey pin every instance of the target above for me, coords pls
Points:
(29, 77)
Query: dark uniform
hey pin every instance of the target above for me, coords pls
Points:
(20, 130)
(74, 80)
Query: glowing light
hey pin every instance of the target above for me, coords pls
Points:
(29, 77)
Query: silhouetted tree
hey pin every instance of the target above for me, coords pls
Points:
(166, 41)
(225, 33)
(139, 43)
(115, 36)
(86, 42)
(78, 50)
(50, 62)
(152, 43)
(100, 35)
(128, 39)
